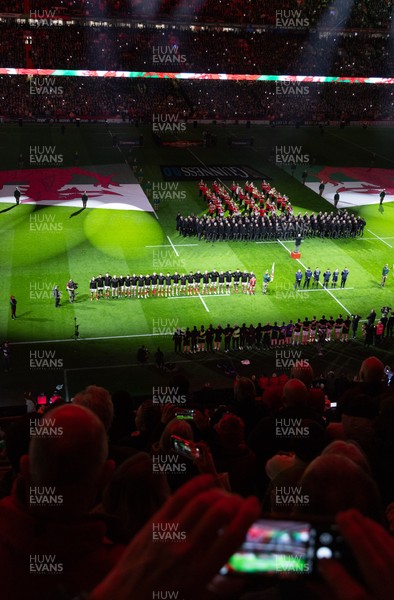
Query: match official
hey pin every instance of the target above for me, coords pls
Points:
(308, 275)
(266, 281)
(344, 275)
(385, 272)
(298, 279)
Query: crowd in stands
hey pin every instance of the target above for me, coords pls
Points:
(207, 51)
(140, 100)
(117, 478)
(67, 98)
(363, 14)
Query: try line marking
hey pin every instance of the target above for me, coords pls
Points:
(379, 238)
(326, 289)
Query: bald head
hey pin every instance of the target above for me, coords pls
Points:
(75, 452)
(304, 373)
(99, 400)
(350, 450)
(371, 370)
(295, 393)
(334, 483)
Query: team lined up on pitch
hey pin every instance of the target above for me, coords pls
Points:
(207, 282)
(246, 214)
(269, 336)
(145, 286)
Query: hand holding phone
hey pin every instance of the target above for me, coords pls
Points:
(204, 461)
(168, 412)
(201, 420)
(185, 448)
(373, 549)
(285, 549)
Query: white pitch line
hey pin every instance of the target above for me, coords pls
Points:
(184, 297)
(89, 339)
(202, 300)
(323, 288)
(379, 238)
(273, 242)
(173, 247)
(282, 244)
(360, 239)
(326, 289)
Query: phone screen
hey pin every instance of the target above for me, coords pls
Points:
(283, 548)
(185, 414)
(185, 447)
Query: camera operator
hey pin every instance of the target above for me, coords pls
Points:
(71, 289)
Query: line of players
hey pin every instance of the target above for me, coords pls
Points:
(315, 278)
(308, 331)
(144, 286)
(266, 227)
(269, 200)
